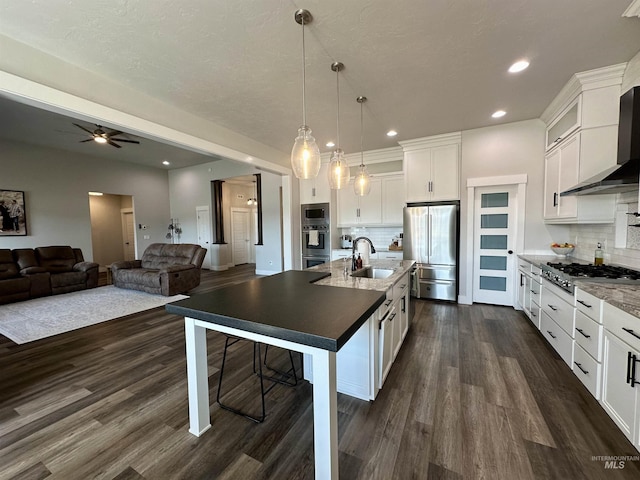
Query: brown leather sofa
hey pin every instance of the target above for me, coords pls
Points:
(29, 273)
(165, 268)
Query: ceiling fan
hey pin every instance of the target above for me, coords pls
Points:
(100, 135)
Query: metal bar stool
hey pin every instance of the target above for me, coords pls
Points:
(288, 378)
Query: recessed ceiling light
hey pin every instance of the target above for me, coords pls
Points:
(166, 162)
(519, 66)
(391, 133)
(499, 113)
(331, 144)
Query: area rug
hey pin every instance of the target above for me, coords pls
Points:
(34, 319)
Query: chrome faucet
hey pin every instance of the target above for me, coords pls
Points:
(353, 250)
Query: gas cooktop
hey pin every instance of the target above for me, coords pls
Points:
(565, 274)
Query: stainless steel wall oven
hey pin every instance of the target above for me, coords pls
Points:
(316, 238)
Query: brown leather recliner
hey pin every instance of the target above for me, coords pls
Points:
(69, 272)
(13, 286)
(165, 269)
(39, 278)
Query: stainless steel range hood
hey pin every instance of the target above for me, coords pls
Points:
(623, 177)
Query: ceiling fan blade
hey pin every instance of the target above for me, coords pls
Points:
(113, 144)
(123, 140)
(113, 133)
(80, 126)
(87, 140)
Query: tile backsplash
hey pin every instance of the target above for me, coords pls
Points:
(380, 236)
(586, 237)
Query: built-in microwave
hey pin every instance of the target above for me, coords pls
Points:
(315, 214)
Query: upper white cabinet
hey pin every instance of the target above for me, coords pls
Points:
(581, 142)
(432, 168)
(316, 190)
(381, 207)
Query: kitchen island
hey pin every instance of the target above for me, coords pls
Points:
(286, 310)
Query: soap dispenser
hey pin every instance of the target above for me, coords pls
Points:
(359, 262)
(598, 258)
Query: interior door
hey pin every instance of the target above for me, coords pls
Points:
(203, 228)
(128, 236)
(240, 235)
(494, 240)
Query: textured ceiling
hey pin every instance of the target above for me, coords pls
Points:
(426, 66)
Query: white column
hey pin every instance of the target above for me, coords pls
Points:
(325, 415)
(197, 377)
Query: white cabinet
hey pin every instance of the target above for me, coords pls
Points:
(582, 125)
(341, 253)
(557, 320)
(432, 168)
(621, 371)
(390, 255)
(587, 360)
(386, 343)
(529, 290)
(392, 200)
(382, 206)
(316, 190)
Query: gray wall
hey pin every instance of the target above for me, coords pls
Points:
(191, 187)
(56, 186)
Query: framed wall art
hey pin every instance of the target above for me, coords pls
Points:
(13, 216)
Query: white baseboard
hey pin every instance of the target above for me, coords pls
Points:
(464, 300)
(219, 268)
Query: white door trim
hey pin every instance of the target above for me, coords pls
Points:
(123, 221)
(472, 183)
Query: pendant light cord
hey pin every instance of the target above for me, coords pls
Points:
(361, 137)
(304, 79)
(338, 115)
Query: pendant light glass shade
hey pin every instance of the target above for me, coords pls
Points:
(362, 183)
(305, 154)
(338, 168)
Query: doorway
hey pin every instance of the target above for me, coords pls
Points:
(241, 235)
(496, 218)
(113, 233)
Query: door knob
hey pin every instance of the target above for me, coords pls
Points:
(510, 252)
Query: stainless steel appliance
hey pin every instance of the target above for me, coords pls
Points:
(430, 238)
(316, 238)
(564, 275)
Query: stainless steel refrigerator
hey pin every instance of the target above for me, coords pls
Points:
(430, 238)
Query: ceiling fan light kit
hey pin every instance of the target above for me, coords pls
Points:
(338, 168)
(305, 155)
(100, 136)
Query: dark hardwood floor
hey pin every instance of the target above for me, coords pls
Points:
(474, 393)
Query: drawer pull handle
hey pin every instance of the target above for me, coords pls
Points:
(533, 314)
(552, 308)
(387, 303)
(631, 369)
(582, 332)
(534, 292)
(584, 303)
(631, 332)
(392, 317)
(579, 365)
(551, 334)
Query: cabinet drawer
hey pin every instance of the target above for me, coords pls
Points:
(587, 370)
(589, 335)
(558, 338)
(559, 310)
(535, 291)
(535, 314)
(390, 255)
(589, 305)
(622, 324)
(399, 287)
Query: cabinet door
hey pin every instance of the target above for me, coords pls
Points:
(347, 206)
(392, 200)
(371, 205)
(316, 190)
(445, 177)
(568, 175)
(417, 174)
(619, 399)
(385, 347)
(551, 177)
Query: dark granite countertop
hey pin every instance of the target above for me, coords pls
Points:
(287, 306)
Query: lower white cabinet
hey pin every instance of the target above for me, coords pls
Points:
(387, 344)
(621, 371)
(557, 320)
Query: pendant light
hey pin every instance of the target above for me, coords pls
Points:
(305, 155)
(338, 168)
(362, 183)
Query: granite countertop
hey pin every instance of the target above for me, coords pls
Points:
(624, 297)
(291, 305)
(337, 277)
(543, 259)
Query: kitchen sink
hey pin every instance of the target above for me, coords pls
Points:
(369, 272)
